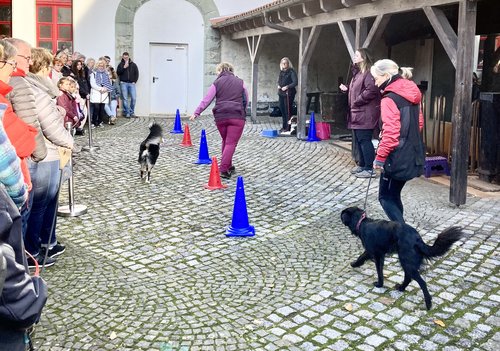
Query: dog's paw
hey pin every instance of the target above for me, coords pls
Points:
(357, 263)
(378, 285)
(399, 287)
(428, 304)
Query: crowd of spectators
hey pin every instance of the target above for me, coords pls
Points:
(42, 95)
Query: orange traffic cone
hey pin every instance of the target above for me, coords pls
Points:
(214, 182)
(186, 141)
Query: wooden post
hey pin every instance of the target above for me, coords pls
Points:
(307, 42)
(254, 45)
(462, 107)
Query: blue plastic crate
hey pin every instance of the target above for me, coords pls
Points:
(270, 133)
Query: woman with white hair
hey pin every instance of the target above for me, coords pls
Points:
(401, 150)
(287, 81)
(229, 111)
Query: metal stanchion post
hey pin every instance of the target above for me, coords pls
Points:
(71, 210)
(91, 146)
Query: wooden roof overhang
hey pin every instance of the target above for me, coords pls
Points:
(361, 23)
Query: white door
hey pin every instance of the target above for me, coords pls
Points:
(169, 77)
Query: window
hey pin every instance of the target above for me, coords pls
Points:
(6, 18)
(54, 24)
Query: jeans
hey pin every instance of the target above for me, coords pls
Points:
(230, 131)
(42, 219)
(110, 108)
(286, 103)
(366, 151)
(389, 196)
(26, 209)
(128, 89)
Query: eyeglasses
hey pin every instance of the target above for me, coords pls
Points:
(12, 63)
(27, 58)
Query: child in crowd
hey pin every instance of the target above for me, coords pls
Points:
(55, 73)
(67, 101)
(80, 106)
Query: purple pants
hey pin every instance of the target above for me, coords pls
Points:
(230, 131)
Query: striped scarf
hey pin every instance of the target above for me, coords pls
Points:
(102, 79)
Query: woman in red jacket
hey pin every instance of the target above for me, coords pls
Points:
(401, 150)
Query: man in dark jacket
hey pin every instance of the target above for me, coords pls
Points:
(128, 73)
(22, 297)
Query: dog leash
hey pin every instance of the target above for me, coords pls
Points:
(369, 183)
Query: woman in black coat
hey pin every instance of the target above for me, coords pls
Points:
(287, 81)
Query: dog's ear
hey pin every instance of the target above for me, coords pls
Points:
(345, 216)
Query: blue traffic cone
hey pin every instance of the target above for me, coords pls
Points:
(239, 225)
(203, 157)
(311, 136)
(177, 124)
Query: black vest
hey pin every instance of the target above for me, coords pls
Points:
(407, 160)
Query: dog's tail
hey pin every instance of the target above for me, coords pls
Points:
(443, 242)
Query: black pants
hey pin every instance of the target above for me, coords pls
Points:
(366, 151)
(286, 103)
(97, 113)
(389, 196)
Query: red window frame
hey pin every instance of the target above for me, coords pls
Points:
(54, 39)
(7, 22)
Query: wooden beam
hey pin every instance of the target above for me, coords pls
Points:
(254, 45)
(329, 5)
(270, 24)
(283, 15)
(361, 32)
(462, 107)
(351, 3)
(295, 12)
(273, 17)
(311, 8)
(371, 9)
(349, 37)
(307, 42)
(376, 30)
(444, 31)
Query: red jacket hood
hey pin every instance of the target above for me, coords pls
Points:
(405, 88)
(18, 73)
(4, 88)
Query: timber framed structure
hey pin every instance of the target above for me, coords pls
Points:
(362, 24)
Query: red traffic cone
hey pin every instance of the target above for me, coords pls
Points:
(186, 141)
(214, 182)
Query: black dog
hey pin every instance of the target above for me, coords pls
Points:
(150, 150)
(380, 237)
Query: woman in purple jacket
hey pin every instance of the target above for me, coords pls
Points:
(364, 111)
(229, 111)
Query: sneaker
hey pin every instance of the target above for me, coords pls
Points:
(80, 131)
(93, 126)
(366, 174)
(39, 259)
(56, 250)
(356, 169)
(232, 169)
(225, 175)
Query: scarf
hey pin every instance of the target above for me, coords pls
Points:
(102, 79)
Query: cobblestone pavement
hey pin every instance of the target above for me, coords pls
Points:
(149, 266)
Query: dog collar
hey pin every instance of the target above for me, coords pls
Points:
(363, 216)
